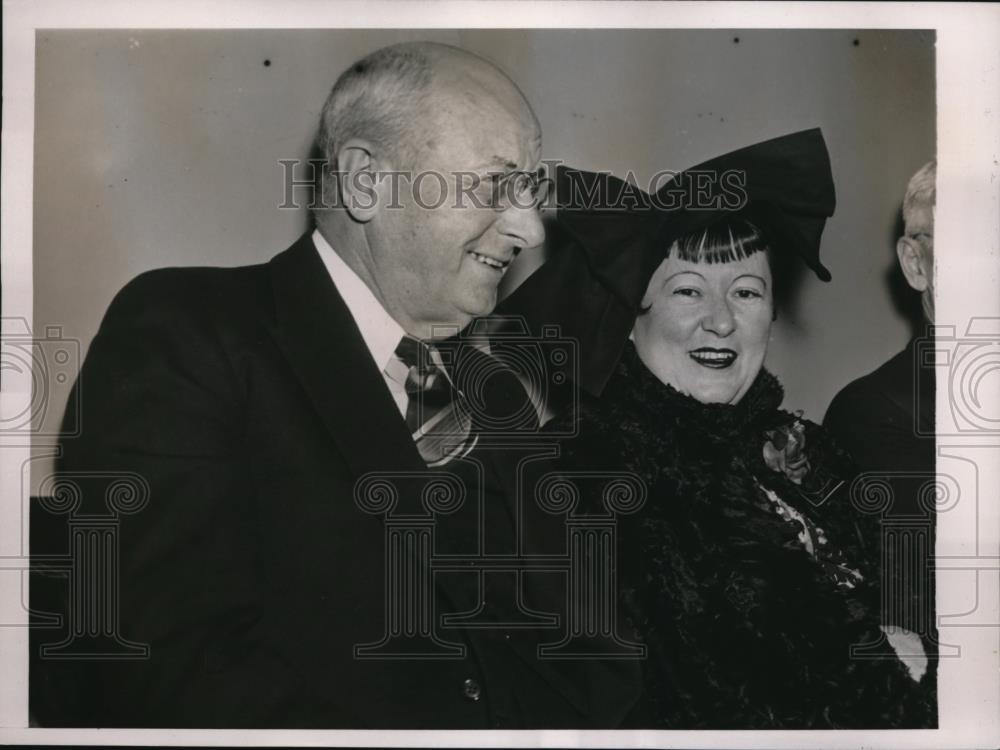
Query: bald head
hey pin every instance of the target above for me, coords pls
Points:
(469, 80)
(397, 97)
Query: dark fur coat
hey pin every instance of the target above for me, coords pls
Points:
(748, 589)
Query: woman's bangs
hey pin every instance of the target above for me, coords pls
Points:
(722, 242)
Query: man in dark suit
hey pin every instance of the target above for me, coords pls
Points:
(886, 421)
(262, 406)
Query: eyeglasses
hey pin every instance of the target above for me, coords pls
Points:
(518, 189)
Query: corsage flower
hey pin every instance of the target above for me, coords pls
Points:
(784, 450)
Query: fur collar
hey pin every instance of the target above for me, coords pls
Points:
(635, 389)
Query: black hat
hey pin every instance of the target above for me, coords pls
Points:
(611, 236)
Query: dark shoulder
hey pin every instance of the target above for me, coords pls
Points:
(180, 287)
(196, 319)
(888, 386)
(196, 304)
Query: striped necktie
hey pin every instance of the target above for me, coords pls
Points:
(436, 412)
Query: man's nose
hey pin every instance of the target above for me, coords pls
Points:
(522, 226)
(719, 318)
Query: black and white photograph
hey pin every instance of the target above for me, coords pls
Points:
(570, 374)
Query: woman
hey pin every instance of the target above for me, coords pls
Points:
(747, 574)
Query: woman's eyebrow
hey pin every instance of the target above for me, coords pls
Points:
(761, 279)
(679, 273)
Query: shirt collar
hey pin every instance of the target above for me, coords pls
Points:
(380, 331)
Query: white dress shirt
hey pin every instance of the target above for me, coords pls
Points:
(379, 330)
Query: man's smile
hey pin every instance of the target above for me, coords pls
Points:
(500, 265)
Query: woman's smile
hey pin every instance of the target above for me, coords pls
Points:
(717, 359)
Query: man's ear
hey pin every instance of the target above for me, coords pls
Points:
(911, 261)
(357, 176)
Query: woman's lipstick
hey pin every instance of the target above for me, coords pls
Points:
(717, 359)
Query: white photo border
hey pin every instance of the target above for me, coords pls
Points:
(967, 217)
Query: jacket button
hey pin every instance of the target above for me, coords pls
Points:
(471, 689)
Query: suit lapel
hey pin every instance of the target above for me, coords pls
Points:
(318, 335)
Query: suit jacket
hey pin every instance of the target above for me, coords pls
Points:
(886, 421)
(247, 400)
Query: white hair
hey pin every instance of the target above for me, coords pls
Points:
(920, 191)
(379, 98)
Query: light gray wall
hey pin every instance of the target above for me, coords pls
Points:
(161, 148)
